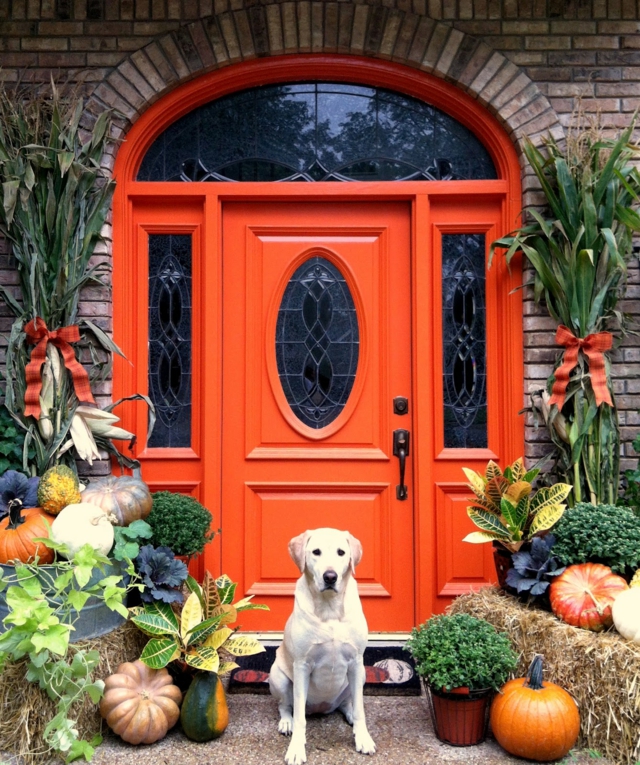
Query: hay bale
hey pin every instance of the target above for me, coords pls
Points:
(25, 710)
(600, 670)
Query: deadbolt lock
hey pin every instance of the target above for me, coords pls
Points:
(400, 405)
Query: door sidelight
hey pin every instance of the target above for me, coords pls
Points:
(401, 451)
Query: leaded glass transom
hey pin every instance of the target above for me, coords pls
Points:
(464, 331)
(316, 132)
(170, 338)
(317, 342)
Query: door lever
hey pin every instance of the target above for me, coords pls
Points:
(401, 451)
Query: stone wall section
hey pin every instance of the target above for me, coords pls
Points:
(530, 62)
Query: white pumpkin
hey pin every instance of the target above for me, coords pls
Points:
(626, 611)
(83, 523)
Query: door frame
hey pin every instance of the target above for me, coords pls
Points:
(426, 200)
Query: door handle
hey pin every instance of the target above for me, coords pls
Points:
(401, 451)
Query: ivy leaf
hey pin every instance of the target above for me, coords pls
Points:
(55, 639)
(77, 598)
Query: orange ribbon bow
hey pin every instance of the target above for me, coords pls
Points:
(38, 334)
(593, 347)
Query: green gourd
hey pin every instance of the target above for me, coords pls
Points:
(204, 714)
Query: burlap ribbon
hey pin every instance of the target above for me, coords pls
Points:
(593, 347)
(38, 335)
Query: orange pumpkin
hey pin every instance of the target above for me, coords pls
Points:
(17, 532)
(140, 704)
(128, 498)
(583, 595)
(535, 719)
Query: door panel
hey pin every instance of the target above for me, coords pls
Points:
(279, 475)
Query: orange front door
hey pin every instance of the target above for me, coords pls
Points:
(316, 345)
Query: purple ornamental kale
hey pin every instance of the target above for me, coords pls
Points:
(161, 574)
(532, 570)
(15, 485)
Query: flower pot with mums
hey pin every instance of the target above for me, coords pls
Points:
(462, 661)
(180, 522)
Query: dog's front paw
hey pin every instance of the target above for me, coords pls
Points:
(285, 726)
(364, 743)
(296, 753)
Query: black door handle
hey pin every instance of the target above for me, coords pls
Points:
(401, 451)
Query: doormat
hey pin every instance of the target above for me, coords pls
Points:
(390, 672)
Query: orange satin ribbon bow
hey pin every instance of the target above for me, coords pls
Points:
(38, 334)
(593, 347)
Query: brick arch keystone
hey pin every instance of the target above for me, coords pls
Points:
(303, 27)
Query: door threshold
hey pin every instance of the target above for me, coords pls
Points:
(376, 639)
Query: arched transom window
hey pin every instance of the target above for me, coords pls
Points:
(316, 132)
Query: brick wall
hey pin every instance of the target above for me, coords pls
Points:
(528, 61)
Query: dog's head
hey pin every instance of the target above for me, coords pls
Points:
(327, 555)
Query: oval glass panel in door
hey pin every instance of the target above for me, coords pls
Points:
(317, 342)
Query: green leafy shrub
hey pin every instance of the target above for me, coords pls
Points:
(180, 522)
(11, 443)
(599, 534)
(461, 651)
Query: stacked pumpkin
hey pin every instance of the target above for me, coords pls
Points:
(54, 504)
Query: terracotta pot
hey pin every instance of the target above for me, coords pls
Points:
(503, 562)
(460, 719)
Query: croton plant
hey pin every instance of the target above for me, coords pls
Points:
(507, 509)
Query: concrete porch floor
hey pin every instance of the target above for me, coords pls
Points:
(400, 726)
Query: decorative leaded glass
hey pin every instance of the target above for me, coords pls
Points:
(317, 342)
(316, 132)
(170, 338)
(464, 334)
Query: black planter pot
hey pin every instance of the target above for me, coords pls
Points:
(503, 562)
(460, 718)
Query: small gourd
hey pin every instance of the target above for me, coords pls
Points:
(81, 524)
(204, 714)
(534, 719)
(127, 497)
(626, 611)
(140, 704)
(58, 488)
(18, 531)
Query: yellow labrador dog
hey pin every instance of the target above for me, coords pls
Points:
(319, 666)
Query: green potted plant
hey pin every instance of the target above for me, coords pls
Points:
(462, 661)
(197, 638)
(180, 522)
(579, 250)
(509, 512)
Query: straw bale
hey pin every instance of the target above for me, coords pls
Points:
(600, 670)
(25, 710)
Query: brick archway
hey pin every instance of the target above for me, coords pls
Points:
(344, 28)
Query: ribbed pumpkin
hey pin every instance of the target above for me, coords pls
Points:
(17, 532)
(583, 595)
(626, 611)
(128, 498)
(535, 719)
(204, 714)
(140, 704)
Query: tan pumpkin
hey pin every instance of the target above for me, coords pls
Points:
(128, 498)
(140, 704)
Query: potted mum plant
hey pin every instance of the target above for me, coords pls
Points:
(180, 522)
(462, 660)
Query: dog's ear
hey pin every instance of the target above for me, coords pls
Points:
(355, 548)
(297, 548)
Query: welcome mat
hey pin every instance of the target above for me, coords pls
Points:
(390, 672)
